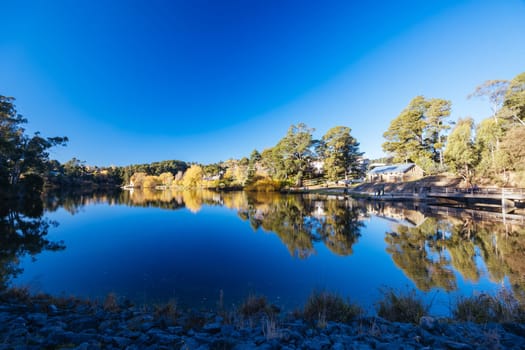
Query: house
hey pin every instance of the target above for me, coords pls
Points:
(395, 173)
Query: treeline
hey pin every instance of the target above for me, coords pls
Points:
(493, 150)
(295, 158)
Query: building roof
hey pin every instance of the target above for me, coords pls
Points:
(393, 168)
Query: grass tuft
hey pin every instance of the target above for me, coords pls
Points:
(483, 308)
(111, 303)
(168, 313)
(404, 307)
(256, 306)
(323, 306)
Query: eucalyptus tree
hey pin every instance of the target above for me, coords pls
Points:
(514, 104)
(495, 91)
(460, 153)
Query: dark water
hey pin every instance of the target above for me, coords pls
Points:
(196, 246)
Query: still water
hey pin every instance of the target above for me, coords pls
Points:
(194, 247)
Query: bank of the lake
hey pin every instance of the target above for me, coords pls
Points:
(38, 322)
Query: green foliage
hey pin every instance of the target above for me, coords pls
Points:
(290, 159)
(21, 154)
(323, 306)
(401, 306)
(340, 152)
(514, 104)
(460, 153)
(416, 135)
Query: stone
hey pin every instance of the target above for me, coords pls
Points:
(456, 345)
(427, 323)
(212, 328)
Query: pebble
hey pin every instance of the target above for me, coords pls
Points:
(92, 328)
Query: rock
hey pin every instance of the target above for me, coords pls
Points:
(82, 323)
(449, 344)
(427, 323)
(212, 328)
(120, 342)
(245, 346)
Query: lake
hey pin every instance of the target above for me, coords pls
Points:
(202, 248)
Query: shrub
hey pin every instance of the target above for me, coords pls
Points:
(265, 185)
(401, 306)
(323, 306)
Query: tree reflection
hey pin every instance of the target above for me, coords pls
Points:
(415, 250)
(301, 221)
(23, 231)
(431, 251)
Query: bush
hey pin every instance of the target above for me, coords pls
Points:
(401, 307)
(265, 185)
(322, 307)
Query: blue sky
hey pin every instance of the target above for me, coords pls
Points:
(202, 80)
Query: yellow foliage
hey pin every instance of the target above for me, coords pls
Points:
(265, 185)
(193, 177)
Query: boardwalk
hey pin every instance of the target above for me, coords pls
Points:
(504, 196)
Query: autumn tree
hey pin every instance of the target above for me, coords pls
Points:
(340, 152)
(193, 177)
(166, 178)
(137, 179)
(460, 153)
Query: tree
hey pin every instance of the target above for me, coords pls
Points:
(293, 153)
(437, 111)
(20, 154)
(488, 135)
(340, 152)
(193, 177)
(514, 104)
(137, 179)
(405, 133)
(166, 178)
(416, 135)
(255, 158)
(460, 153)
(494, 91)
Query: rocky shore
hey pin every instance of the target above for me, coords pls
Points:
(48, 323)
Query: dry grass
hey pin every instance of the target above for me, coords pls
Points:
(483, 308)
(111, 303)
(323, 306)
(167, 313)
(401, 306)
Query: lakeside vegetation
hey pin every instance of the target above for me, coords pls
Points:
(491, 152)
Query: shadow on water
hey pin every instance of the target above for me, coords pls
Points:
(23, 231)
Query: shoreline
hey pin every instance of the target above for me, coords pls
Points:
(42, 321)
